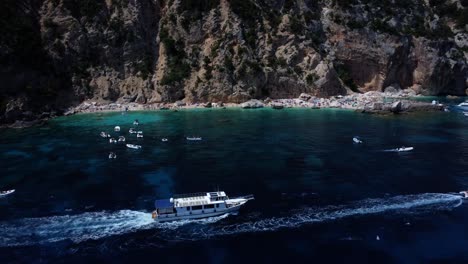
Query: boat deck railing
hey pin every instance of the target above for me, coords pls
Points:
(187, 195)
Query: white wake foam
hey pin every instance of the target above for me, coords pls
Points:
(407, 204)
(96, 225)
(76, 228)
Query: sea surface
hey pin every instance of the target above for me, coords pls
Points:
(318, 196)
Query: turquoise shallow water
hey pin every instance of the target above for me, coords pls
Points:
(316, 192)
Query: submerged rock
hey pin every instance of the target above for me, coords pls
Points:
(277, 106)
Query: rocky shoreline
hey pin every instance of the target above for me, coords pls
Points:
(370, 102)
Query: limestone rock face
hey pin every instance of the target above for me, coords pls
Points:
(151, 51)
(252, 104)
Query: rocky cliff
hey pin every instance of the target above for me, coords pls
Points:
(57, 53)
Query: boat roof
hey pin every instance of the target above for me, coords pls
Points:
(190, 199)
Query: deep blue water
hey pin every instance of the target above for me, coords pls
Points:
(319, 197)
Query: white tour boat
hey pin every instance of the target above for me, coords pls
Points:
(197, 205)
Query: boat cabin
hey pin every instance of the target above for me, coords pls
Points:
(190, 204)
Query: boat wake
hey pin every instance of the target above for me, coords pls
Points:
(77, 228)
(97, 225)
(405, 204)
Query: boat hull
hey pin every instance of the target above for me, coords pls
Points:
(174, 217)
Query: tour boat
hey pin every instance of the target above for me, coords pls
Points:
(5, 193)
(197, 205)
(357, 140)
(132, 146)
(194, 138)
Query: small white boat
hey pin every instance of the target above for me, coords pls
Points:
(112, 155)
(357, 140)
(104, 134)
(164, 140)
(136, 123)
(465, 113)
(402, 149)
(5, 193)
(112, 140)
(121, 139)
(139, 135)
(132, 131)
(194, 138)
(117, 129)
(132, 146)
(463, 106)
(196, 206)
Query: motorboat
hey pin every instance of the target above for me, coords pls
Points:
(357, 140)
(463, 105)
(402, 149)
(194, 138)
(139, 135)
(5, 193)
(132, 146)
(104, 134)
(136, 123)
(112, 140)
(132, 131)
(197, 205)
(164, 140)
(121, 139)
(112, 155)
(117, 129)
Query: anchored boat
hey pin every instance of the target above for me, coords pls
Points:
(133, 146)
(194, 138)
(197, 205)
